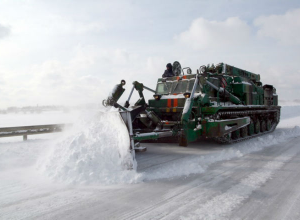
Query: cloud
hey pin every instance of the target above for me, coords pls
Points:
(64, 25)
(4, 31)
(283, 28)
(249, 47)
(205, 34)
(87, 76)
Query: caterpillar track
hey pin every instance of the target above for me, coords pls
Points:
(256, 115)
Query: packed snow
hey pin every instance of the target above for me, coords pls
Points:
(197, 164)
(224, 203)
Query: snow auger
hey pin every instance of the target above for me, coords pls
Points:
(221, 102)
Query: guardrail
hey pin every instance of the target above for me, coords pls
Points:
(31, 130)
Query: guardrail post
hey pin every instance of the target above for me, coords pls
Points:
(25, 137)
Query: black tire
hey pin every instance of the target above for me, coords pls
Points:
(236, 134)
(257, 127)
(251, 128)
(263, 126)
(244, 131)
(269, 125)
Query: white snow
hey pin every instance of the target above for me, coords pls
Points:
(178, 96)
(96, 150)
(243, 82)
(186, 105)
(223, 204)
(199, 127)
(227, 127)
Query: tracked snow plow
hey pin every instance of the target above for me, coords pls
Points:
(221, 102)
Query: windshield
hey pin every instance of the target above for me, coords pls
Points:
(162, 89)
(180, 86)
(171, 87)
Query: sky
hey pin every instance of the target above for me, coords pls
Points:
(73, 52)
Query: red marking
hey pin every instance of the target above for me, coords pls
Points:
(166, 123)
(184, 77)
(223, 82)
(174, 93)
(175, 103)
(177, 77)
(169, 104)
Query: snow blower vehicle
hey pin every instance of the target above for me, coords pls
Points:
(221, 102)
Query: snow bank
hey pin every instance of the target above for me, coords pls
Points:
(95, 151)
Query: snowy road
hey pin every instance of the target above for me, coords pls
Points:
(257, 179)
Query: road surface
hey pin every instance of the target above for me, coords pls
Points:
(260, 185)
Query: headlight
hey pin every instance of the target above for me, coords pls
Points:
(187, 95)
(157, 97)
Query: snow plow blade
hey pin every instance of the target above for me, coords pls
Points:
(129, 115)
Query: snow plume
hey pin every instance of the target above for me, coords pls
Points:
(95, 151)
